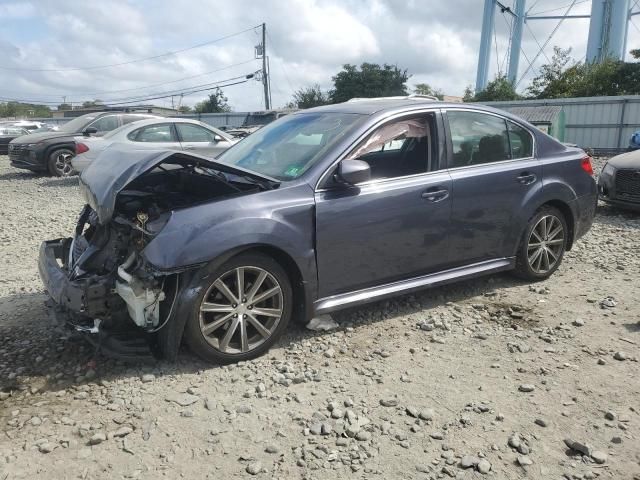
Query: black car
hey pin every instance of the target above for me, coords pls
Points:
(320, 210)
(8, 133)
(619, 181)
(52, 151)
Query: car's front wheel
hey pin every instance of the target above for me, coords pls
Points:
(243, 307)
(543, 244)
(59, 163)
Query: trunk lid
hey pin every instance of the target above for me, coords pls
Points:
(117, 167)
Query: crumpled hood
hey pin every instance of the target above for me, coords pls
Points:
(116, 167)
(626, 160)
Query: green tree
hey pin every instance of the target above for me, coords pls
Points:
(92, 103)
(426, 89)
(556, 79)
(500, 88)
(369, 80)
(17, 109)
(216, 103)
(309, 97)
(469, 94)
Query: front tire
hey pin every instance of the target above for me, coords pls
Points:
(243, 307)
(59, 163)
(543, 245)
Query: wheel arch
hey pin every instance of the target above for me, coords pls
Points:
(569, 217)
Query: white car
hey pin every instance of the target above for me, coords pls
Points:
(155, 134)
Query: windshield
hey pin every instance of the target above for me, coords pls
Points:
(288, 147)
(77, 124)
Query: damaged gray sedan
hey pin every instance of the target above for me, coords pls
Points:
(320, 210)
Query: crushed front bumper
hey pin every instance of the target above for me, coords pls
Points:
(85, 296)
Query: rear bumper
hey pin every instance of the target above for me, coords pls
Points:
(584, 209)
(85, 296)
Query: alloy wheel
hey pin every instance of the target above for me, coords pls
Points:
(63, 164)
(546, 244)
(241, 309)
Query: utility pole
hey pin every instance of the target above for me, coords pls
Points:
(265, 74)
(485, 45)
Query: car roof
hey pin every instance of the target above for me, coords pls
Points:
(151, 121)
(390, 105)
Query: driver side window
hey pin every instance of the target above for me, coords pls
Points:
(399, 148)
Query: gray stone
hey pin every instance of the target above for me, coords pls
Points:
(578, 322)
(254, 468)
(540, 422)
(427, 414)
(182, 399)
(524, 460)
(514, 440)
(484, 466)
(46, 447)
(244, 409)
(389, 402)
(599, 457)
(469, 461)
(148, 377)
(527, 387)
(123, 431)
(97, 438)
(579, 447)
(271, 448)
(620, 356)
(609, 415)
(363, 436)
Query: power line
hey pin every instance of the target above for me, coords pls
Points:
(129, 62)
(557, 8)
(156, 95)
(152, 85)
(536, 40)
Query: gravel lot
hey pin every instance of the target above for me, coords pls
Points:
(486, 378)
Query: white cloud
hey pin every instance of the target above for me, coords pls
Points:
(308, 42)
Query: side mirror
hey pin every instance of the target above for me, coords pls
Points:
(217, 138)
(90, 131)
(352, 172)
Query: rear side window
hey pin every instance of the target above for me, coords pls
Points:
(105, 124)
(520, 140)
(194, 133)
(152, 133)
(477, 138)
(129, 118)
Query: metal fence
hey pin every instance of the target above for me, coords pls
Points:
(604, 124)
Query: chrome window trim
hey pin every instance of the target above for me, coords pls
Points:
(367, 133)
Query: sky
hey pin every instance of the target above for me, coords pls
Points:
(50, 50)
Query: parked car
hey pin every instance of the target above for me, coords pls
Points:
(52, 151)
(28, 124)
(619, 181)
(8, 133)
(323, 209)
(166, 133)
(255, 121)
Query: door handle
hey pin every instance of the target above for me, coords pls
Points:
(526, 178)
(432, 195)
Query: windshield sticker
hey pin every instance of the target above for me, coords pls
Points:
(292, 171)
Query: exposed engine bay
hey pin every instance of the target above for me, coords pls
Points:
(100, 275)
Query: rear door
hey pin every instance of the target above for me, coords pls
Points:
(201, 140)
(159, 135)
(494, 174)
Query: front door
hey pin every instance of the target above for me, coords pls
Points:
(393, 227)
(494, 172)
(201, 140)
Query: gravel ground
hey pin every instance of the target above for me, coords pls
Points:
(486, 378)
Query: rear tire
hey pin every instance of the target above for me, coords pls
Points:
(59, 163)
(543, 245)
(225, 326)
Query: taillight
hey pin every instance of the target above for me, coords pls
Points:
(81, 148)
(585, 163)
